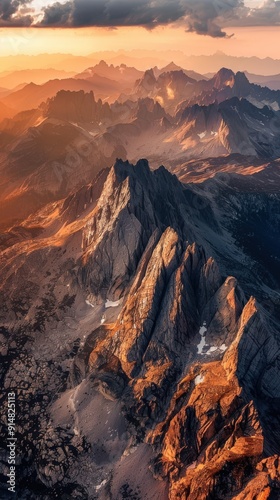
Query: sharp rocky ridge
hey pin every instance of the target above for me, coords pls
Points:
(132, 277)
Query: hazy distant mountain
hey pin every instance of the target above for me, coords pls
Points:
(60, 62)
(69, 62)
(170, 118)
(38, 76)
(141, 59)
(226, 84)
(256, 65)
(124, 75)
(13, 128)
(174, 67)
(77, 107)
(45, 153)
(5, 111)
(32, 95)
(3, 92)
(6, 92)
(272, 81)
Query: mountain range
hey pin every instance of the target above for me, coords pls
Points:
(167, 116)
(142, 59)
(165, 316)
(140, 278)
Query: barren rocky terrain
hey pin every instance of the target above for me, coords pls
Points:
(139, 330)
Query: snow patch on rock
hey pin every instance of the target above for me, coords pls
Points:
(109, 303)
(202, 135)
(202, 343)
(99, 486)
(199, 379)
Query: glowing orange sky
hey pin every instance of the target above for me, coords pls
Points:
(258, 41)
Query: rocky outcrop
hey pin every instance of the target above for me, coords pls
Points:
(77, 107)
(149, 110)
(122, 73)
(128, 213)
(168, 89)
(145, 85)
(235, 124)
(226, 84)
(211, 442)
(254, 356)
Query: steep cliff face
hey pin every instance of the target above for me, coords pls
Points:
(236, 124)
(164, 364)
(212, 437)
(127, 214)
(213, 441)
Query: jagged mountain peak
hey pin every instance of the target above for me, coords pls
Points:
(150, 179)
(76, 106)
(147, 81)
(71, 95)
(149, 73)
(129, 168)
(224, 77)
(227, 78)
(150, 110)
(241, 77)
(103, 64)
(124, 167)
(177, 79)
(171, 67)
(242, 86)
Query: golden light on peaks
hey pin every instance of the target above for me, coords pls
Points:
(170, 93)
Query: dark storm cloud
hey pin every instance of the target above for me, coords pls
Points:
(199, 16)
(205, 17)
(57, 14)
(115, 13)
(10, 14)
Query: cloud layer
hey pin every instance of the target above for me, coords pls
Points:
(200, 16)
(14, 13)
(205, 17)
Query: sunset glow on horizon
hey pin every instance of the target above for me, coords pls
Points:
(240, 28)
(249, 41)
